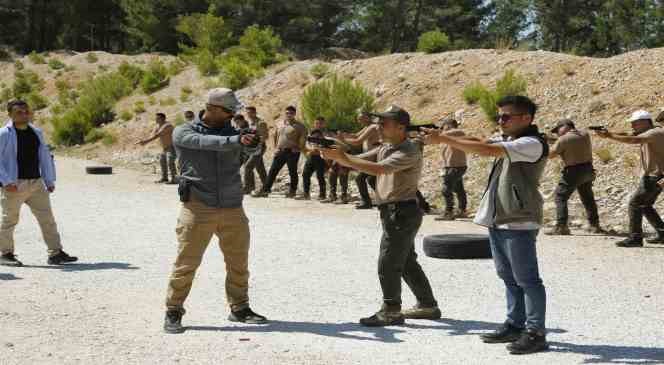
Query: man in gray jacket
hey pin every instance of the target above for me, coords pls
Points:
(512, 210)
(210, 189)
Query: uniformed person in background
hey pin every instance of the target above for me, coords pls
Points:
(315, 163)
(369, 138)
(256, 161)
(642, 201)
(289, 141)
(576, 152)
(397, 170)
(455, 165)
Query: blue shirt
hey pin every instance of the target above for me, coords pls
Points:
(8, 156)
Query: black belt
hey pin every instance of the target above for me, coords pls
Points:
(397, 205)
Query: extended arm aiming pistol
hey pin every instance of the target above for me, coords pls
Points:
(321, 142)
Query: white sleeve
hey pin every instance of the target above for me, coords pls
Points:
(524, 149)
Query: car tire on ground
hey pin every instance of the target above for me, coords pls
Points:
(457, 246)
(99, 170)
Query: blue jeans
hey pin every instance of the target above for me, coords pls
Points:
(515, 257)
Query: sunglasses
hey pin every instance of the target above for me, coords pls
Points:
(508, 117)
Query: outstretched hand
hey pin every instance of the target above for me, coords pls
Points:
(603, 133)
(249, 139)
(431, 136)
(334, 154)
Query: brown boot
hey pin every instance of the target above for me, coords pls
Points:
(558, 231)
(331, 199)
(420, 312)
(344, 199)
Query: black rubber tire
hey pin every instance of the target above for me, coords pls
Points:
(457, 246)
(99, 170)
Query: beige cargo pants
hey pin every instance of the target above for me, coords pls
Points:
(33, 193)
(196, 225)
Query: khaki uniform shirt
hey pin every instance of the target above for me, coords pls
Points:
(574, 148)
(652, 153)
(403, 163)
(291, 136)
(261, 128)
(453, 157)
(165, 133)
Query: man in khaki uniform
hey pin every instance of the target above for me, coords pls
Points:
(255, 161)
(575, 149)
(289, 141)
(455, 166)
(369, 138)
(651, 140)
(164, 132)
(210, 189)
(397, 170)
(27, 175)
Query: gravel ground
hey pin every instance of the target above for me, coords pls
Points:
(314, 276)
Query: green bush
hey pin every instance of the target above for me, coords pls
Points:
(126, 115)
(176, 66)
(56, 64)
(93, 108)
(36, 100)
(94, 135)
(206, 31)
(433, 42)
(169, 101)
(139, 107)
(205, 62)
(133, 74)
(26, 82)
(36, 58)
(510, 84)
(5, 95)
(319, 70)
(473, 92)
(338, 100)
(155, 78)
(109, 139)
(238, 74)
(262, 44)
(18, 65)
(152, 100)
(91, 57)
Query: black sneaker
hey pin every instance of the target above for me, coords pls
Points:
(246, 315)
(383, 318)
(173, 322)
(9, 259)
(364, 206)
(61, 258)
(631, 242)
(504, 333)
(531, 341)
(422, 312)
(657, 240)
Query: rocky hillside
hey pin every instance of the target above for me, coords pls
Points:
(590, 91)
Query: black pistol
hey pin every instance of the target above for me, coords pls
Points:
(599, 128)
(418, 128)
(321, 142)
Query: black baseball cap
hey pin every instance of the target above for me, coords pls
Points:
(396, 113)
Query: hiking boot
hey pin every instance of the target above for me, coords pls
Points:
(173, 322)
(364, 206)
(344, 199)
(658, 240)
(504, 333)
(246, 315)
(304, 196)
(631, 242)
(9, 259)
(61, 258)
(290, 195)
(531, 341)
(559, 230)
(260, 194)
(595, 229)
(422, 312)
(331, 199)
(384, 318)
(461, 213)
(447, 216)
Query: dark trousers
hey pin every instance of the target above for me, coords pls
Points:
(641, 204)
(167, 162)
(281, 158)
(314, 164)
(453, 184)
(576, 178)
(255, 162)
(397, 257)
(361, 181)
(340, 173)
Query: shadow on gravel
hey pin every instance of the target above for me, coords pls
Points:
(458, 327)
(88, 266)
(4, 276)
(338, 330)
(612, 354)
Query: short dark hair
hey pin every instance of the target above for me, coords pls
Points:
(17, 102)
(161, 115)
(188, 112)
(291, 108)
(521, 103)
(252, 108)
